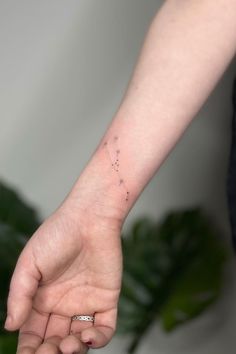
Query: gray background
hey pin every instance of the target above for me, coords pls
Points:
(64, 67)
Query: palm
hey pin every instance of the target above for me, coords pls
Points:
(80, 270)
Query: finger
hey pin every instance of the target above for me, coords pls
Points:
(96, 337)
(58, 326)
(78, 326)
(103, 330)
(24, 284)
(32, 332)
(28, 343)
(72, 344)
(49, 346)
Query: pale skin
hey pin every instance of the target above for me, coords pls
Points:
(73, 263)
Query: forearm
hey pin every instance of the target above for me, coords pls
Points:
(187, 49)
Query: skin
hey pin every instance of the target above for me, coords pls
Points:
(73, 263)
(74, 278)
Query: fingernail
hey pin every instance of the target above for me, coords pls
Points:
(8, 322)
(89, 342)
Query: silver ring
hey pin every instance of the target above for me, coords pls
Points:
(83, 318)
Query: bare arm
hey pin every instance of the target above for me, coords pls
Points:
(73, 264)
(187, 49)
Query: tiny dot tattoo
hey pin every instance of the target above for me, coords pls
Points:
(114, 155)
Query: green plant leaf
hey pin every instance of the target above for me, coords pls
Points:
(198, 286)
(15, 212)
(18, 221)
(8, 344)
(168, 273)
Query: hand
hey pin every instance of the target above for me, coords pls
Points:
(71, 265)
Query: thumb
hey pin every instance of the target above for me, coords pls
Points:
(23, 286)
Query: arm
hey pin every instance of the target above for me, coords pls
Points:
(187, 49)
(72, 264)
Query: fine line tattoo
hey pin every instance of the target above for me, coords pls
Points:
(113, 151)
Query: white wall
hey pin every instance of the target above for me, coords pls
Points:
(64, 66)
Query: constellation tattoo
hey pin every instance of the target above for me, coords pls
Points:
(114, 155)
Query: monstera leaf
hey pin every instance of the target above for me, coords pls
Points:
(17, 223)
(172, 272)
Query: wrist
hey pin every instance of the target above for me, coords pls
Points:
(98, 192)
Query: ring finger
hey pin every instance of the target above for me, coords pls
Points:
(72, 343)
